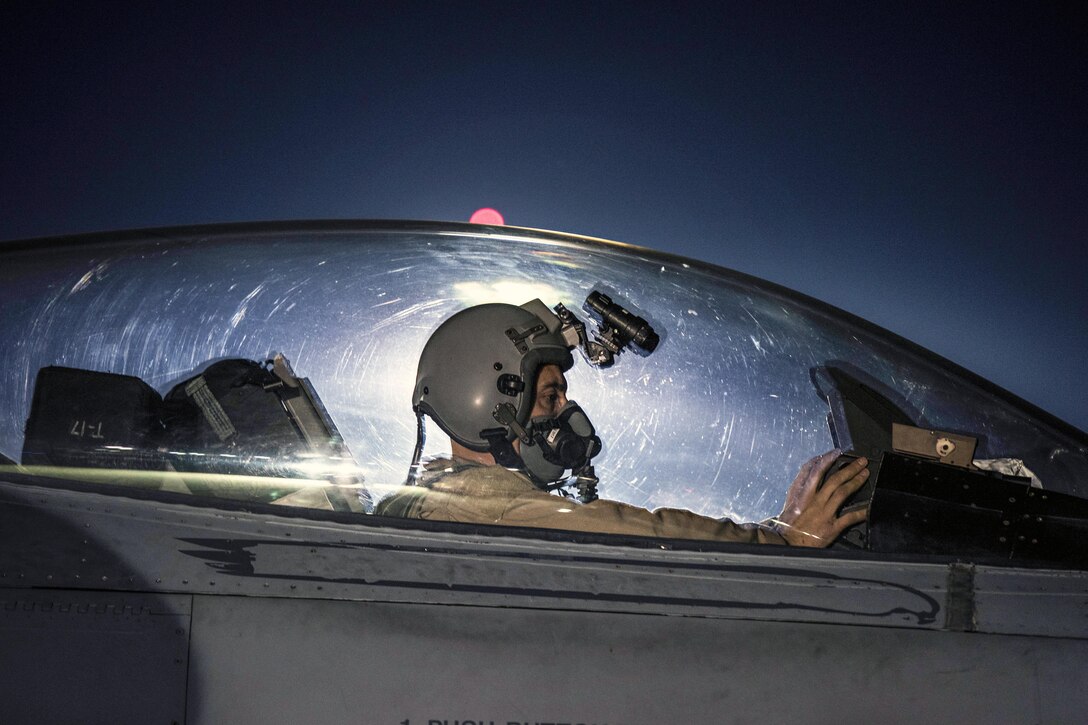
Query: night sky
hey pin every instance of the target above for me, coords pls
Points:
(924, 166)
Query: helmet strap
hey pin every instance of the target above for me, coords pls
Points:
(421, 438)
(501, 449)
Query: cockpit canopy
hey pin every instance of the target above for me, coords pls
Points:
(327, 321)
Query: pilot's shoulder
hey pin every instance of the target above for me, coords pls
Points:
(405, 503)
(477, 480)
(446, 490)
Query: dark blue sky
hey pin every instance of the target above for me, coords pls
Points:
(923, 166)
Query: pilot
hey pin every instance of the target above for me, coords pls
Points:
(491, 377)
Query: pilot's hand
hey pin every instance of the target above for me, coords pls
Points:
(810, 515)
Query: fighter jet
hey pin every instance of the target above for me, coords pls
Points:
(199, 427)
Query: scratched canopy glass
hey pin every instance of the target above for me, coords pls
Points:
(717, 420)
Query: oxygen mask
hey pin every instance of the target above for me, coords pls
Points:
(556, 444)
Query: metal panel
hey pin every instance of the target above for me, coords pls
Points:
(280, 660)
(93, 657)
(91, 540)
(84, 540)
(1004, 596)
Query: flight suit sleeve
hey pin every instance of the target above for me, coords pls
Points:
(613, 517)
(493, 495)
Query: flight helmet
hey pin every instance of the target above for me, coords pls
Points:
(483, 361)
